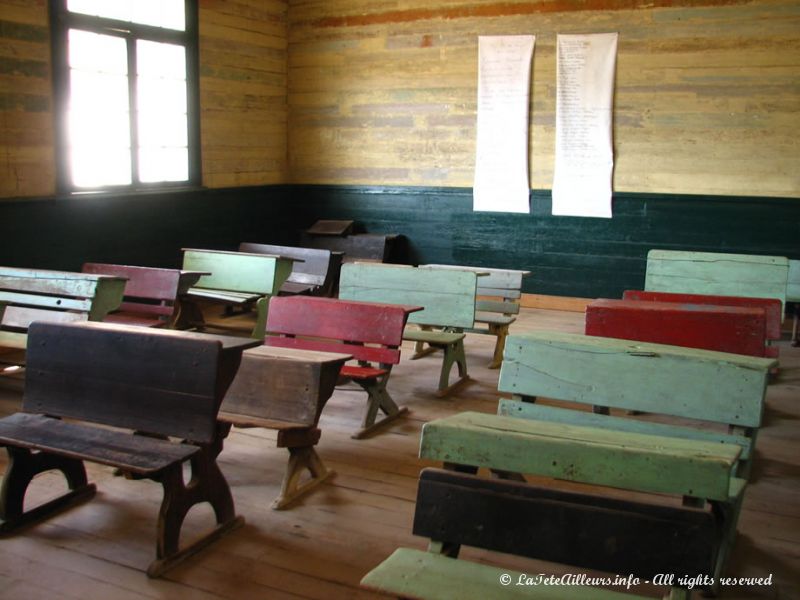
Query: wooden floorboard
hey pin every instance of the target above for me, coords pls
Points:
(320, 548)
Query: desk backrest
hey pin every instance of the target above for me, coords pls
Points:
(337, 326)
(59, 296)
(447, 296)
(748, 275)
(156, 381)
(314, 266)
(654, 378)
(238, 271)
(157, 287)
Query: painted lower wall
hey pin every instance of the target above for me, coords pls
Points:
(568, 256)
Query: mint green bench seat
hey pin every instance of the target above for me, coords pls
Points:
(447, 298)
(793, 295)
(236, 279)
(421, 575)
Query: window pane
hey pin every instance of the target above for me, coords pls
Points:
(159, 129)
(96, 52)
(98, 92)
(159, 13)
(163, 164)
(98, 166)
(155, 59)
(111, 9)
(161, 95)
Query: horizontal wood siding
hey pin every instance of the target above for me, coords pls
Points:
(243, 91)
(27, 165)
(706, 91)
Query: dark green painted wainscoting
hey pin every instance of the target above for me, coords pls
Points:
(568, 256)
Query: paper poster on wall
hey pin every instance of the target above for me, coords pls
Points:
(501, 159)
(584, 162)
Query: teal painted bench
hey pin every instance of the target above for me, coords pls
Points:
(499, 291)
(53, 296)
(584, 531)
(718, 274)
(793, 295)
(447, 298)
(315, 271)
(695, 463)
(236, 279)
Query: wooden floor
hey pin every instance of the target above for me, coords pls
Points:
(323, 546)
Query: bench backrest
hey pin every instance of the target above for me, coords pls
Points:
(343, 326)
(654, 378)
(447, 296)
(62, 296)
(359, 246)
(793, 284)
(313, 266)
(157, 381)
(504, 284)
(771, 306)
(578, 529)
(238, 271)
(748, 275)
(149, 290)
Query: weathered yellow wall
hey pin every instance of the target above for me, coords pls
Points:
(243, 91)
(242, 95)
(707, 92)
(383, 92)
(27, 166)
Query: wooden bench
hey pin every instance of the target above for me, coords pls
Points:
(376, 247)
(369, 331)
(717, 274)
(56, 296)
(740, 330)
(150, 297)
(577, 529)
(153, 384)
(793, 295)
(447, 298)
(771, 306)
(237, 279)
(315, 271)
(286, 389)
(499, 291)
(697, 463)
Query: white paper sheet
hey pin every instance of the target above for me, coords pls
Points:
(501, 160)
(584, 101)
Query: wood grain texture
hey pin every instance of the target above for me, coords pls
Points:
(385, 93)
(448, 297)
(655, 378)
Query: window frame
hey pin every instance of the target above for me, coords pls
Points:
(61, 21)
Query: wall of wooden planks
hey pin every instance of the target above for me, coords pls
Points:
(242, 95)
(384, 93)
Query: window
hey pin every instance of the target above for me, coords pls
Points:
(126, 102)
